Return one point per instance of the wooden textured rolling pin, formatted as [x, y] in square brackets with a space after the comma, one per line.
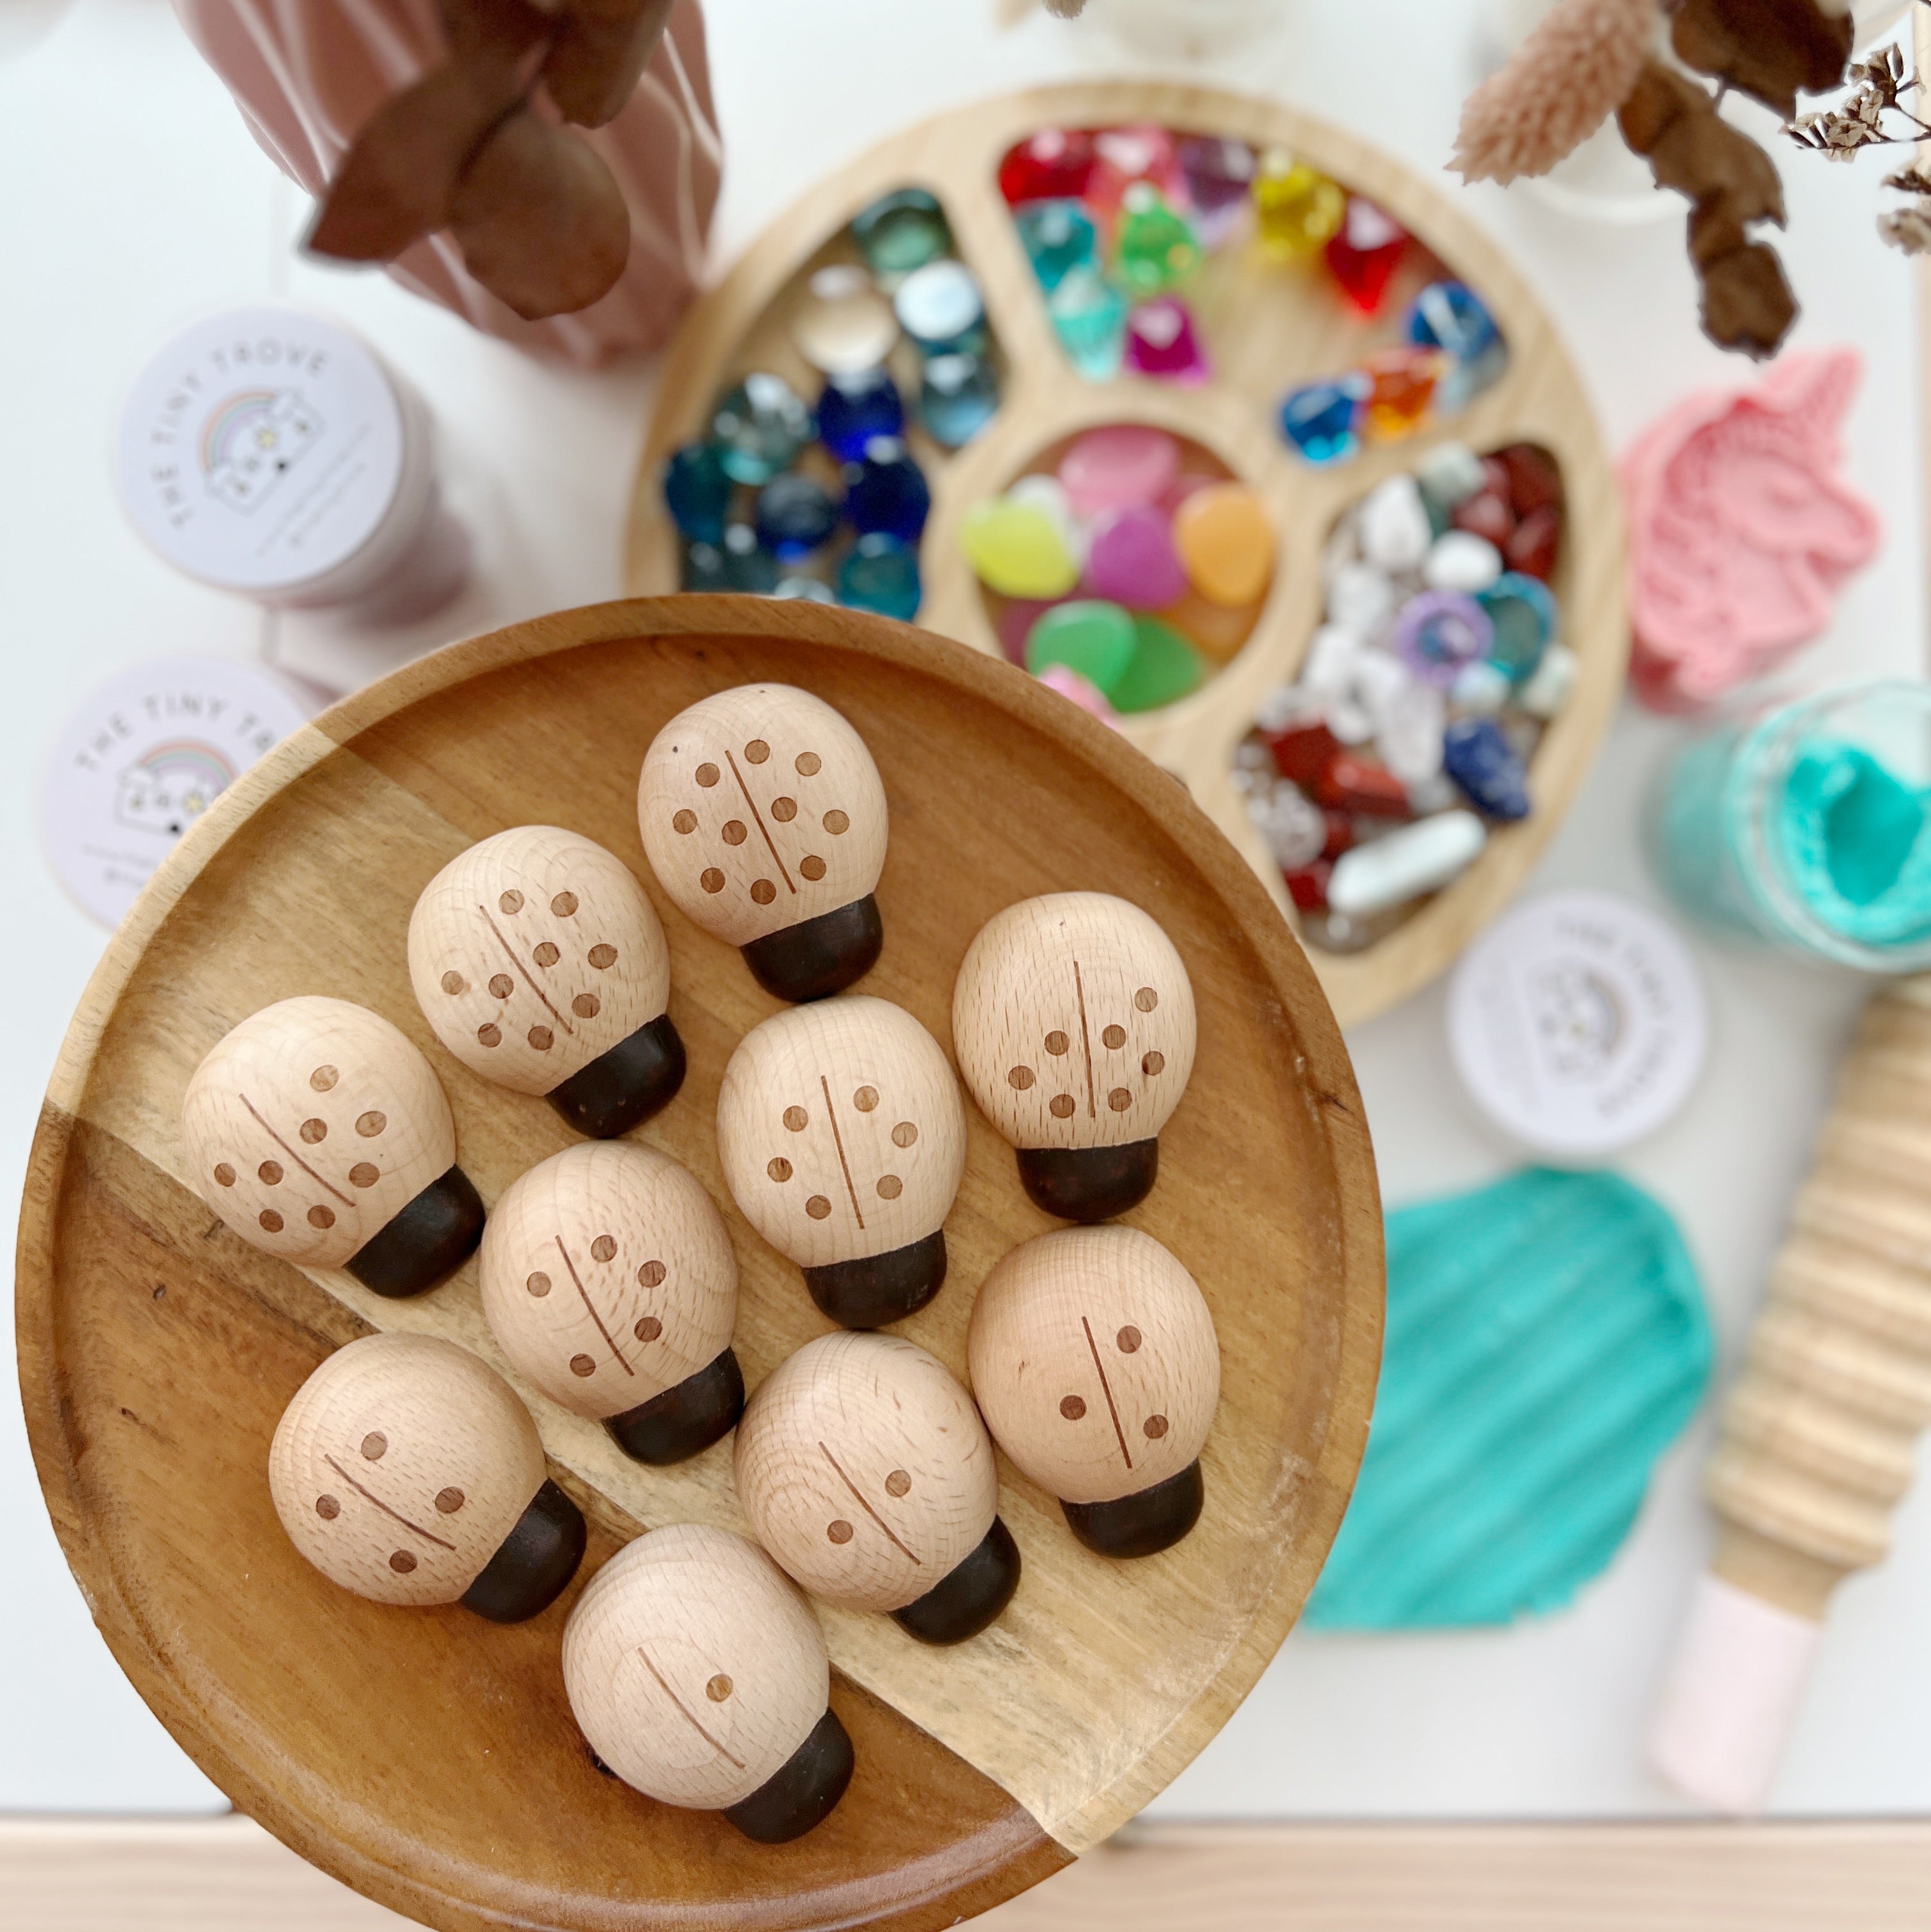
[1819, 1435]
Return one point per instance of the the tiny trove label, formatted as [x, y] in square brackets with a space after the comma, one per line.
[142, 760]
[1578, 1024]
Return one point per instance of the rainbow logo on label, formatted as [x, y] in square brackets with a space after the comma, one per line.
[167, 789]
[250, 441]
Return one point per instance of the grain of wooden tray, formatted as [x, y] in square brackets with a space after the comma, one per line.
[1265, 333]
[429, 1759]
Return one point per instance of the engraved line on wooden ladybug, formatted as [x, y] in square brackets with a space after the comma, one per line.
[867, 1472]
[1073, 1018]
[609, 1279]
[764, 818]
[407, 1470]
[1095, 1363]
[842, 1138]
[320, 1135]
[699, 1676]
[539, 961]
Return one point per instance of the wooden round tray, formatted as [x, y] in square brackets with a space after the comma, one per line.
[1265, 340]
[429, 1759]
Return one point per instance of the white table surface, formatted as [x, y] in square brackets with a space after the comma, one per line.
[135, 199]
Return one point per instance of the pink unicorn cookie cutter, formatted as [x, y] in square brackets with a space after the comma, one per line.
[1741, 532]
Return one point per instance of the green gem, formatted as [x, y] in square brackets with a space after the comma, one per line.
[1164, 668]
[1094, 638]
[901, 231]
[1157, 249]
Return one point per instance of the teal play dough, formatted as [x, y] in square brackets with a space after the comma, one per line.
[1853, 839]
[1546, 1340]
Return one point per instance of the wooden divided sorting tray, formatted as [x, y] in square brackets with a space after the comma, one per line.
[428, 1758]
[1268, 329]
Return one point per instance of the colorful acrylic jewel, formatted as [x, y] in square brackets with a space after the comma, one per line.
[1219, 175]
[959, 395]
[1486, 768]
[1452, 317]
[1161, 341]
[1439, 631]
[881, 573]
[796, 515]
[1156, 249]
[1322, 421]
[697, 492]
[901, 231]
[852, 409]
[1125, 156]
[1058, 236]
[885, 491]
[1055, 164]
[1364, 253]
[1296, 210]
[759, 428]
[940, 307]
[1088, 315]
[1401, 384]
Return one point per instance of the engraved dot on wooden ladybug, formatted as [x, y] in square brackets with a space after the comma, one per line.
[836, 823]
[784, 810]
[323, 1079]
[511, 902]
[271, 1222]
[564, 904]
[1113, 1038]
[684, 822]
[807, 764]
[735, 832]
[224, 1174]
[453, 983]
[321, 1217]
[269, 1173]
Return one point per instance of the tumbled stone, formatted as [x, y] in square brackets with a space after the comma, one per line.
[1486, 768]
[1393, 526]
[1132, 561]
[1225, 542]
[1017, 549]
[1420, 858]
[1122, 466]
[1460, 560]
[1090, 636]
[1164, 669]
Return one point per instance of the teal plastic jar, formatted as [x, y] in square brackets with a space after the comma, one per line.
[1808, 827]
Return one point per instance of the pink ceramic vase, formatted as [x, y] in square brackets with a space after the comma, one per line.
[306, 74]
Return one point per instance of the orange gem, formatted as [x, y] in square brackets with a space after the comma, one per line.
[1401, 386]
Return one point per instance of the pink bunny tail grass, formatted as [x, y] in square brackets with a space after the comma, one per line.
[1565, 80]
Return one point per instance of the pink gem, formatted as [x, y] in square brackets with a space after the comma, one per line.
[1120, 467]
[1125, 155]
[1133, 561]
[1088, 696]
[1161, 341]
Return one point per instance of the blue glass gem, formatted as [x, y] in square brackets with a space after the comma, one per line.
[804, 590]
[1524, 614]
[1466, 380]
[796, 515]
[697, 492]
[940, 307]
[748, 565]
[1450, 315]
[881, 573]
[759, 428]
[1322, 421]
[958, 398]
[852, 409]
[1478, 756]
[703, 569]
[1089, 315]
[1058, 236]
[887, 491]
[901, 231]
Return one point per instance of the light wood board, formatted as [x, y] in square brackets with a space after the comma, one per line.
[1267, 332]
[427, 1758]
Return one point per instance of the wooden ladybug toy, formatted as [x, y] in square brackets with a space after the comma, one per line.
[866, 1473]
[609, 1281]
[319, 1133]
[541, 965]
[765, 819]
[1072, 1018]
[408, 1471]
[700, 1677]
[1094, 1362]
[843, 1140]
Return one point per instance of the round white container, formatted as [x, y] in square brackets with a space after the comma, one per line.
[271, 452]
[1578, 1024]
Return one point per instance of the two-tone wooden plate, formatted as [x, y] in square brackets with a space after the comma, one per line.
[1267, 330]
[429, 1759]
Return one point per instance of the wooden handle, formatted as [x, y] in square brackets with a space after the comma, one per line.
[1072, 1018]
[865, 1470]
[760, 808]
[401, 1465]
[608, 1276]
[1819, 1431]
[534, 953]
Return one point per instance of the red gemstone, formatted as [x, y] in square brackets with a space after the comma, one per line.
[1365, 253]
[1532, 549]
[1533, 482]
[1340, 834]
[1308, 887]
[1351, 784]
[1054, 165]
[1305, 752]
[1486, 515]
